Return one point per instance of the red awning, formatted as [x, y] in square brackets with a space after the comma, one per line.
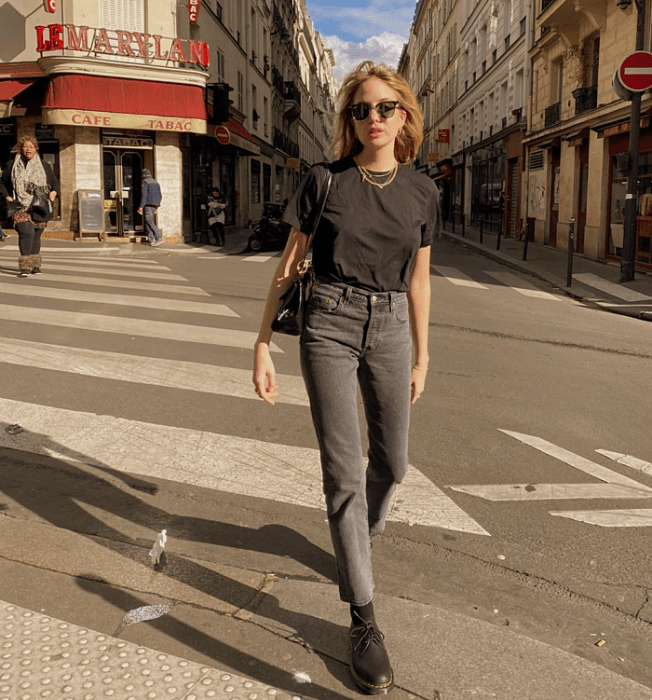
[87, 100]
[10, 88]
[238, 129]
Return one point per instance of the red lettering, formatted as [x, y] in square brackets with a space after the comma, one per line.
[41, 44]
[102, 43]
[77, 41]
[56, 39]
[124, 39]
[177, 53]
[157, 48]
[76, 119]
[141, 40]
[198, 53]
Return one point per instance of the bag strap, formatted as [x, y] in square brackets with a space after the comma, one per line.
[325, 189]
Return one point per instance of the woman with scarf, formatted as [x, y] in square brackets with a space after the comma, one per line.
[21, 179]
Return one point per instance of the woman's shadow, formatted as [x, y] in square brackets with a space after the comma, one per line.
[70, 494]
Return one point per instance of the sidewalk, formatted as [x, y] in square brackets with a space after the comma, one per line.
[593, 282]
[274, 647]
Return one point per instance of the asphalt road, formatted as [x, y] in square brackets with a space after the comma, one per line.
[523, 390]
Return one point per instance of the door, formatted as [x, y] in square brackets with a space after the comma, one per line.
[554, 202]
[583, 192]
[122, 191]
[511, 199]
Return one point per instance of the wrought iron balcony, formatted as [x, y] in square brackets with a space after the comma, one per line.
[553, 114]
[585, 99]
[292, 95]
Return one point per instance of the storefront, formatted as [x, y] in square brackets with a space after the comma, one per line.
[618, 135]
[101, 110]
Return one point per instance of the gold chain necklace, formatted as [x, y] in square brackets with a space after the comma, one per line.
[376, 179]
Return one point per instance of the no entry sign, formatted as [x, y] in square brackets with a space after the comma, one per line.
[635, 72]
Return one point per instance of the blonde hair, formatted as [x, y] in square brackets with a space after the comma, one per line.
[345, 143]
[18, 148]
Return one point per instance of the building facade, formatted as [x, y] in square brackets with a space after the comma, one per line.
[579, 126]
[205, 93]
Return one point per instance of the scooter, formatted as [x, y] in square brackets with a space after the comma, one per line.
[270, 233]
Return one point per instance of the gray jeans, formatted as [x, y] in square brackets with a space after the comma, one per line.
[355, 337]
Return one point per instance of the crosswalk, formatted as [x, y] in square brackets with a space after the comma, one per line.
[105, 305]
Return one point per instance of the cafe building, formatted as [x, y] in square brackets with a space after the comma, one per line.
[107, 89]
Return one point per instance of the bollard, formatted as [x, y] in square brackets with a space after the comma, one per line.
[571, 250]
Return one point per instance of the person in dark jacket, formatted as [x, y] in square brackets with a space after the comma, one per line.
[21, 178]
[150, 201]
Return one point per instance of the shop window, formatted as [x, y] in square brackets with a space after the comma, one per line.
[255, 181]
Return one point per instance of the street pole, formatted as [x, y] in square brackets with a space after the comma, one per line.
[627, 264]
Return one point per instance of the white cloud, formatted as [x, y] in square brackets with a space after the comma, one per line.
[378, 18]
[383, 48]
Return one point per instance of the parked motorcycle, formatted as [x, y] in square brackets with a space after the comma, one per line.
[270, 233]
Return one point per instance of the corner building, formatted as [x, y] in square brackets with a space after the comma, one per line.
[107, 87]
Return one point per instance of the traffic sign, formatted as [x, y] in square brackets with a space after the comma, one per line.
[635, 72]
[223, 135]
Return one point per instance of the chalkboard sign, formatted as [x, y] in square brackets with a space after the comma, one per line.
[91, 212]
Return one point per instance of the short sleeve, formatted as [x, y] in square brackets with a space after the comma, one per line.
[431, 225]
[300, 207]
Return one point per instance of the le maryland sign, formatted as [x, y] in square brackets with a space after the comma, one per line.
[119, 42]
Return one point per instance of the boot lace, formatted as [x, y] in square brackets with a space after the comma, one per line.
[366, 633]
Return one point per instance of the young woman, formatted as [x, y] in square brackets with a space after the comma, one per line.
[371, 256]
[20, 178]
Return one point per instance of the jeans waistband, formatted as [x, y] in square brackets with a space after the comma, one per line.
[354, 293]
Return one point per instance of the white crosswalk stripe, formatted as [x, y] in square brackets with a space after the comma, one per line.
[230, 463]
[456, 277]
[506, 279]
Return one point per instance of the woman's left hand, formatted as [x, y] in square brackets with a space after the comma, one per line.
[53, 195]
[418, 383]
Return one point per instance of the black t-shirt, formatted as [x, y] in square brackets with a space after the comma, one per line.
[367, 237]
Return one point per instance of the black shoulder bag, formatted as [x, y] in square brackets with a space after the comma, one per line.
[292, 309]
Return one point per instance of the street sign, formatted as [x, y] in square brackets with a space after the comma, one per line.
[223, 135]
[635, 72]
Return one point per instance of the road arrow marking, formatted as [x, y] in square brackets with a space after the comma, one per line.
[628, 461]
[615, 486]
[638, 517]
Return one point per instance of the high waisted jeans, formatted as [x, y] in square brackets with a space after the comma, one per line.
[355, 337]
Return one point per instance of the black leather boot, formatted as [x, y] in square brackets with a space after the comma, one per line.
[369, 661]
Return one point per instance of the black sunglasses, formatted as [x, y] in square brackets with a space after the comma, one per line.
[385, 110]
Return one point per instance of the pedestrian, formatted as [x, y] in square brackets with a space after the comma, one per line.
[216, 215]
[24, 176]
[150, 201]
[371, 258]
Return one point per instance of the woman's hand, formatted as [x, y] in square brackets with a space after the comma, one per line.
[418, 383]
[53, 195]
[264, 374]
[9, 199]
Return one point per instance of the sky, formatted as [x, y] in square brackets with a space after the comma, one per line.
[359, 30]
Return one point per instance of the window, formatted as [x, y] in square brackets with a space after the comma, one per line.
[255, 181]
[220, 66]
[123, 14]
[240, 92]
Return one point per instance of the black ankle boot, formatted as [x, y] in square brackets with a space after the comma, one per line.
[369, 661]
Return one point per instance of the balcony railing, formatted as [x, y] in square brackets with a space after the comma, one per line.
[585, 99]
[553, 114]
[284, 143]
